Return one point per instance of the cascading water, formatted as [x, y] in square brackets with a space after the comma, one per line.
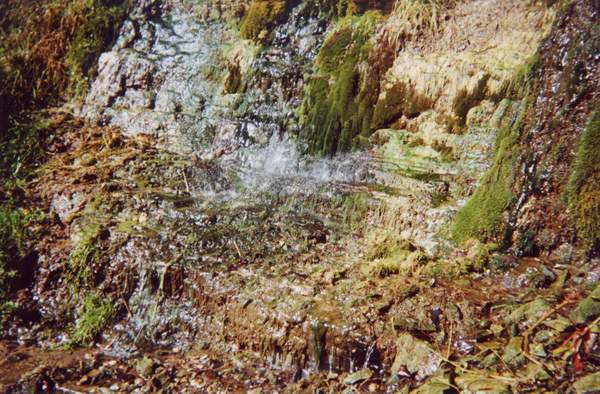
[168, 75]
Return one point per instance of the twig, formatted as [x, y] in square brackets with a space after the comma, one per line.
[238, 250]
[539, 321]
[187, 186]
[449, 341]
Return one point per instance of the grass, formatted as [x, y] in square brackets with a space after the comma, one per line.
[21, 148]
[85, 253]
[583, 189]
[94, 315]
[16, 230]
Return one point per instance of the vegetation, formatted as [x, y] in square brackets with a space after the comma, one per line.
[97, 31]
[95, 314]
[584, 184]
[43, 59]
[48, 56]
[337, 110]
[16, 228]
[261, 16]
[84, 254]
[481, 217]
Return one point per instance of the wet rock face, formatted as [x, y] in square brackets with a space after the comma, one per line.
[564, 98]
[187, 77]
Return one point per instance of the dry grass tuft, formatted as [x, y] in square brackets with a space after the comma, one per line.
[412, 18]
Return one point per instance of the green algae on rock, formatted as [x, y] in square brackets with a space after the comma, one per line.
[584, 184]
[261, 16]
[481, 217]
[336, 113]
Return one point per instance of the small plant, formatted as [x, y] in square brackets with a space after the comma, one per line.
[93, 317]
[85, 253]
[385, 268]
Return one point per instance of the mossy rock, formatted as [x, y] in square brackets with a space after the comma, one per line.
[261, 16]
[338, 104]
[98, 31]
[584, 183]
[528, 313]
[417, 356]
[481, 217]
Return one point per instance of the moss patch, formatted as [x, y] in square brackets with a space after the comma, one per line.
[95, 314]
[337, 109]
[481, 217]
[262, 15]
[97, 31]
[584, 184]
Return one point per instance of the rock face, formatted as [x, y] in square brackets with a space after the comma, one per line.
[550, 196]
[415, 357]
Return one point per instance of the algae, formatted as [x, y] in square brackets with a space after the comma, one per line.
[481, 217]
[583, 189]
[337, 108]
[93, 318]
[261, 16]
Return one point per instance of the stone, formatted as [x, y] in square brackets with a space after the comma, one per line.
[358, 376]
[513, 353]
[528, 313]
[588, 384]
[417, 356]
[438, 384]
[470, 383]
[588, 308]
[145, 367]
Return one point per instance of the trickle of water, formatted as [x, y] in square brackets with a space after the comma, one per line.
[369, 354]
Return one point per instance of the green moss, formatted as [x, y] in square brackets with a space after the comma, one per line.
[95, 314]
[389, 246]
[97, 32]
[583, 190]
[262, 15]
[338, 106]
[516, 86]
[481, 217]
